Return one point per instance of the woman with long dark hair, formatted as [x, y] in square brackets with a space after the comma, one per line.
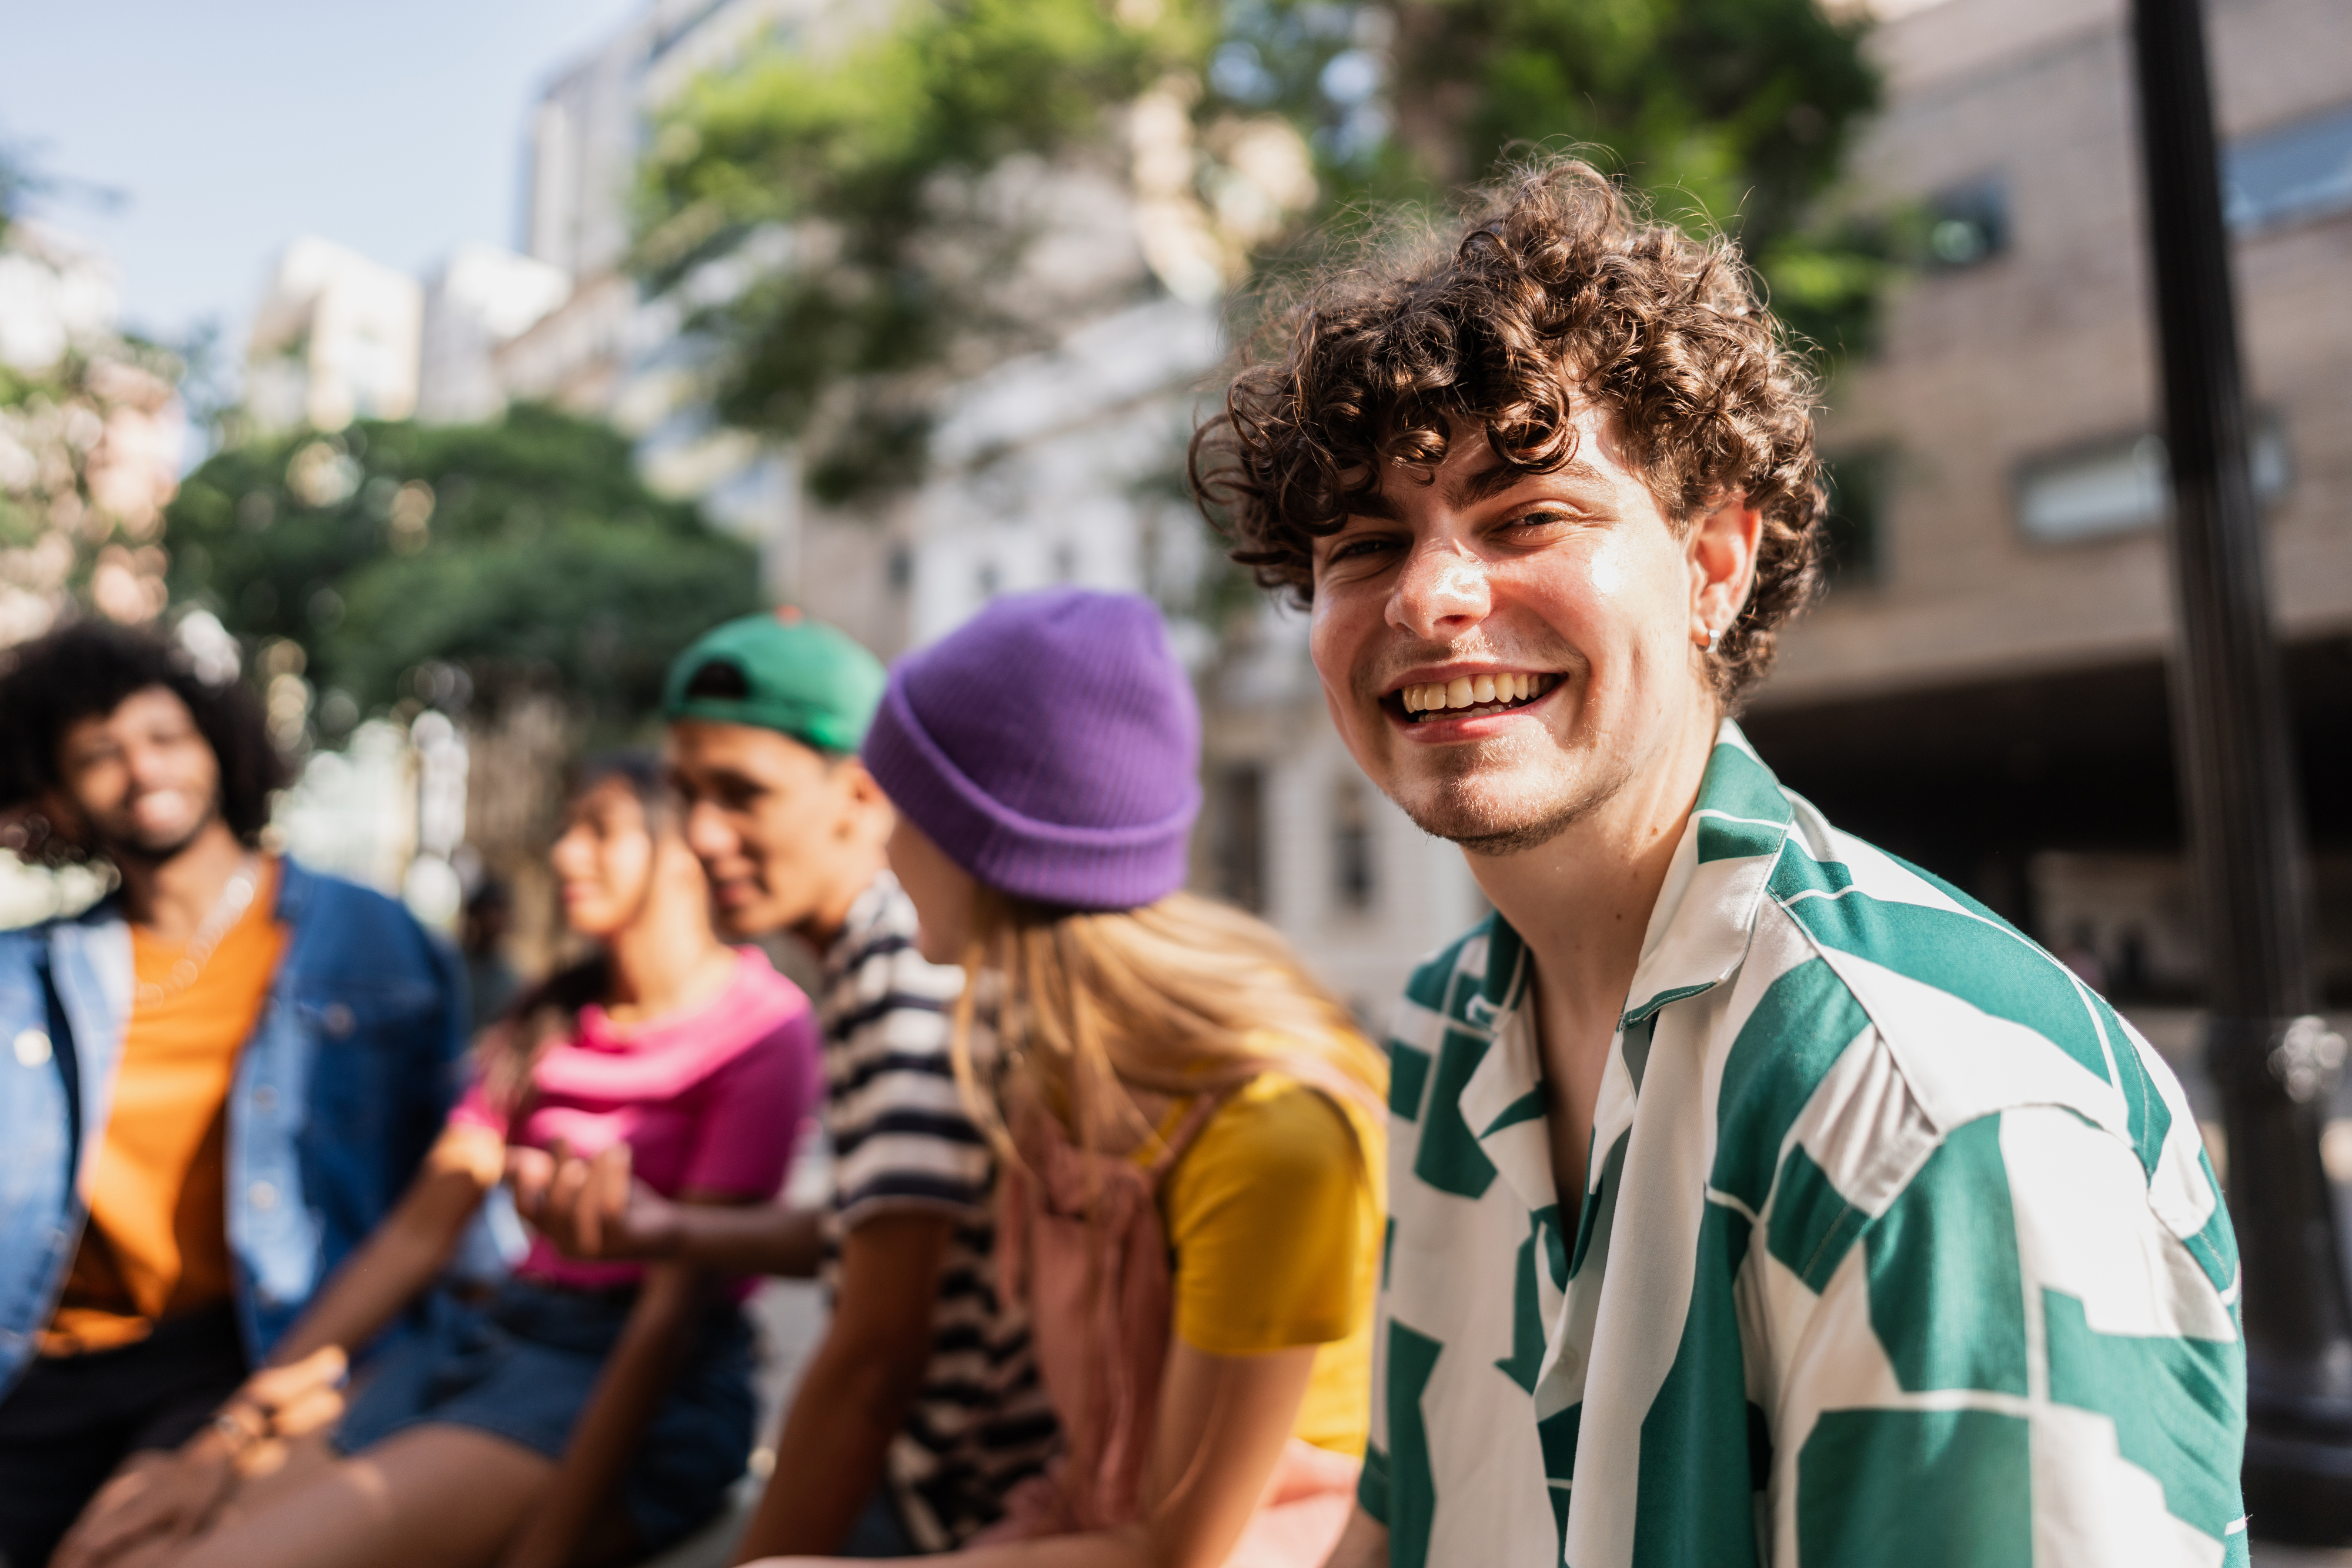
[586, 1412]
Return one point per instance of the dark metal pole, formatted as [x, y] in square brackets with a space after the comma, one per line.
[2271, 1059]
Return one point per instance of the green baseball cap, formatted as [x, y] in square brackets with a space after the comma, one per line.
[789, 674]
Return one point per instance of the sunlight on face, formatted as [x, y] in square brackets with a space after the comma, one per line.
[603, 860]
[1501, 653]
[142, 777]
[769, 819]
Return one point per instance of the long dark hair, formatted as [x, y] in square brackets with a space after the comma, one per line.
[508, 1049]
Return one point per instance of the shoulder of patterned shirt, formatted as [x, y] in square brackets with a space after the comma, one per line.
[1877, 1011]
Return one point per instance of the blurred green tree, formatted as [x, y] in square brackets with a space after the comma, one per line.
[1731, 114]
[849, 225]
[525, 552]
[91, 426]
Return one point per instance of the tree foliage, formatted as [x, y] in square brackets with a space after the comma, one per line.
[89, 432]
[873, 159]
[848, 223]
[526, 552]
[1731, 114]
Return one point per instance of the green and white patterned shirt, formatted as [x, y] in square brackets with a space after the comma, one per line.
[1897, 1245]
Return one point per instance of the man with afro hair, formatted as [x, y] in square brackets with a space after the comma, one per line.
[217, 1082]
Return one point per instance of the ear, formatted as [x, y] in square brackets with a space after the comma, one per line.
[1721, 552]
[865, 812]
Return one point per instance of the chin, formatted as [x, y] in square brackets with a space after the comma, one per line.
[1499, 808]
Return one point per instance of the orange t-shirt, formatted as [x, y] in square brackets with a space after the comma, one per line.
[157, 1241]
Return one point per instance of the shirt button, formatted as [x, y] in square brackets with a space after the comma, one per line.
[338, 1020]
[262, 1196]
[265, 1100]
[32, 1047]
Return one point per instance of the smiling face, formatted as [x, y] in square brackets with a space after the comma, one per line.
[606, 859]
[141, 780]
[787, 836]
[1504, 652]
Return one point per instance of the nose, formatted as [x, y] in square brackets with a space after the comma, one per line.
[1442, 592]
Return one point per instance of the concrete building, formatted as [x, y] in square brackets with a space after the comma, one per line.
[335, 339]
[605, 350]
[1984, 690]
[479, 300]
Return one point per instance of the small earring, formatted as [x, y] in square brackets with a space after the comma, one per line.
[1714, 635]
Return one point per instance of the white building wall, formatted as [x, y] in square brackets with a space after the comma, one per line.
[336, 339]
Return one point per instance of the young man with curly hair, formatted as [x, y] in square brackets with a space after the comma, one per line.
[217, 1081]
[1755, 1197]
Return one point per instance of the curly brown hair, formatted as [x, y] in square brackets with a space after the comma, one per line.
[1552, 285]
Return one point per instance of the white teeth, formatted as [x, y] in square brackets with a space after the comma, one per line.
[1472, 691]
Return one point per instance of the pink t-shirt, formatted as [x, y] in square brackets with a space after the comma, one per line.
[709, 1100]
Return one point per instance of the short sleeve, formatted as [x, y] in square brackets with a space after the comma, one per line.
[753, 1106]
[1270, 1215]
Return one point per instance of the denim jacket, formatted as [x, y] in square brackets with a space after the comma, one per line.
[338, 1093]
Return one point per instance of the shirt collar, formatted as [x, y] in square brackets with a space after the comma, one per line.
[1706, 913]
[1698, 936]
[869, 916]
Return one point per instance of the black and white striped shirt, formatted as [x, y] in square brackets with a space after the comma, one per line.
[902, 1140]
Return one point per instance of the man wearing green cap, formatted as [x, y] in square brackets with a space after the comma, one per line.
[922, 1407]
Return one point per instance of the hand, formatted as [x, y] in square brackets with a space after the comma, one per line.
[164, 1498]
[591, 1208]
[301, 1397]
[155, 1500]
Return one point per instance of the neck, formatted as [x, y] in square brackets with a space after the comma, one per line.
[665, 961]
[827, 920]
[1581, 902]
[169, 899]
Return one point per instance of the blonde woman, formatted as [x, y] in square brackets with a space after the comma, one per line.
[1192, 1199]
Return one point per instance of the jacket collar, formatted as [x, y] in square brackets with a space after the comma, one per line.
[1698, 936]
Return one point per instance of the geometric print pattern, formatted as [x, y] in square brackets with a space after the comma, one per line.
[1897, 1245]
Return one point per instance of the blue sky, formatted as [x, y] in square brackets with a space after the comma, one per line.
[228, 127]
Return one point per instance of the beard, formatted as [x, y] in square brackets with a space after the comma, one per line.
[1485, 805]
[153, 849]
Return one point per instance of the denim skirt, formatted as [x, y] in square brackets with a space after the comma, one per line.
[521, 1365]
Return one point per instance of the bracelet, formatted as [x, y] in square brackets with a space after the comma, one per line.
[240, 1435]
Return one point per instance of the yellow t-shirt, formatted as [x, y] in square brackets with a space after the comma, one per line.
[1273, 1215]
[157, 1242]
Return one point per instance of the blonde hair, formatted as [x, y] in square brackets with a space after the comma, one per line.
[1180, 997]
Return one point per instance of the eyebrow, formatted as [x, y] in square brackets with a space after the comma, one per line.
[1482, 486]
[1487, 482]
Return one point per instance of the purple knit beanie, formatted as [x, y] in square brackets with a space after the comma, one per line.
[1051, 746]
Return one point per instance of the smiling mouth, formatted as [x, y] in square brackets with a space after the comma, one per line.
[1471, 696]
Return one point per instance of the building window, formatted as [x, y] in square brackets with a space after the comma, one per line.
[1354, 877]
[2292, 174]
[1239, 841]
[2122, 486]
[1968, 223]
[1856, 483]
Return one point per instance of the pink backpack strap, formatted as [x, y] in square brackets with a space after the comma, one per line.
[1195, 1121]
